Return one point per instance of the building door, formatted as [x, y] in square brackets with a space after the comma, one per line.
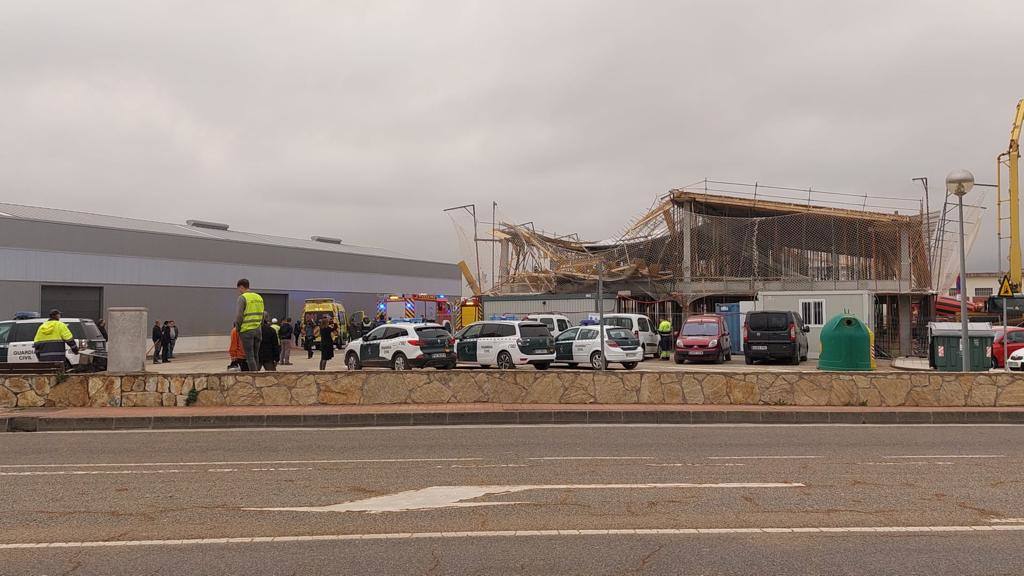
[72, 301]
[276, 305]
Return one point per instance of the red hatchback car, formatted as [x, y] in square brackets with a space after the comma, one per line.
[1013, 340]
[704, 338]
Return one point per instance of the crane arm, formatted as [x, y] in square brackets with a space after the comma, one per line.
[1012, 159]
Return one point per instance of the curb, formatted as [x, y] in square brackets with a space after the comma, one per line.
[43, 423]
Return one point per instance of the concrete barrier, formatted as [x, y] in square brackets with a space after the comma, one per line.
[874, 389]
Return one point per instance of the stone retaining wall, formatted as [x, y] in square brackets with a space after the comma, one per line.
[517, 387]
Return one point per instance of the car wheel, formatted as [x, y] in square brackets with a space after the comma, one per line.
[597, 361]
[446, 366]
[629, 365]
[748, 359]
[728, 356]
[352, 361]
[795, 360]
[680, 359]
[542, 365]
[505, 361]
[399, 362]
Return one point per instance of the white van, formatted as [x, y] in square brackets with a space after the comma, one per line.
[642, 328]
[556, 323]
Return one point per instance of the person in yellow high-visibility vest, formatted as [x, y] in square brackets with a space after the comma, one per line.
[665, 340]
[51, 338]
[249, 320]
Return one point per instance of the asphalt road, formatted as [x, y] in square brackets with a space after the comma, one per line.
[796, 500]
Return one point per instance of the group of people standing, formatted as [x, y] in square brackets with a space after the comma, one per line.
[164, 338]
[258, 342]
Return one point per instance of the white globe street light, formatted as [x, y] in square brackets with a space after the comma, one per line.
[959, 183]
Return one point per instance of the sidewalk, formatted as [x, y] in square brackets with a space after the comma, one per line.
[65, 419]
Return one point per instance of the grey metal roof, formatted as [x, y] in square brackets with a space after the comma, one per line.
[23, 212]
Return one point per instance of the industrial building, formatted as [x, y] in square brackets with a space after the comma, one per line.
[84, 263]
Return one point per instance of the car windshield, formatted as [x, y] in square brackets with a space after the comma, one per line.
[550, 323]
[700, 329]
[92, 332]
[24, 331]
[620, 322]
[769, 322]
[619, 334]
[432, 333]
[534, 331]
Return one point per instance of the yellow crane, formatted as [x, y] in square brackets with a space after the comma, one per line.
[1010, 159]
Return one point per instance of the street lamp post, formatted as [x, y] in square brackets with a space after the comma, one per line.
[959, 183]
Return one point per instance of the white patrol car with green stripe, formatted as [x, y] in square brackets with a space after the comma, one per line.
[401, 346]
[505, 344]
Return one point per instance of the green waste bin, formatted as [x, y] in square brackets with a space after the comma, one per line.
[847, 345]
[944, 346]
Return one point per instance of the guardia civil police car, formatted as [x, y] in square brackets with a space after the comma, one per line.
[582, 345]
[16, 343]
[505, 344]
[401, 346]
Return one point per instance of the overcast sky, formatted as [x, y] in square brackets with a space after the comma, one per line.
[334, 117]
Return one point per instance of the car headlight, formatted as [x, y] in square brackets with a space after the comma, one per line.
[713, 343]
[1019, 354]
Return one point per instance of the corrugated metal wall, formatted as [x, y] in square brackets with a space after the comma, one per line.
[576, 309]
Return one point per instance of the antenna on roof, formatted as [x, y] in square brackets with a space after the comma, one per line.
[325, 239]
[205, 224]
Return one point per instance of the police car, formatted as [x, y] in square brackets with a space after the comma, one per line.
[401, 346]
[505, 344]
[17, 336]
[582, 345]
[641, 327]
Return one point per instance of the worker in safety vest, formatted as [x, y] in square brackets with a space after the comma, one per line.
[51, 337]
[248, 320]
[665, 331]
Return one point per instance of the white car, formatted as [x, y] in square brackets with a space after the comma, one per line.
[17, 336]
[1016, 360]
[641, 327]
[556, 323]
[582, 345]
[505, 344]
[401, 346]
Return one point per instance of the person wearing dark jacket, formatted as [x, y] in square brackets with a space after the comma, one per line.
[165, 342]
[310, 335]
[157, 336]
[286, 341]
[174, 337]
[327, 331]
[270, 348]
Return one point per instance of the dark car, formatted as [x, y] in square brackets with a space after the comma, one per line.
[775, 335]
[704, 338]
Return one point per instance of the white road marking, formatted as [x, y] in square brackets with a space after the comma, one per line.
[676, 465]
[435, 497]
[947, 456]
[860, 530]
[1007, 520]
[89, 472]
[593, 458]
[240, 463]
[763, 457]
[488, 466]
[904, 463]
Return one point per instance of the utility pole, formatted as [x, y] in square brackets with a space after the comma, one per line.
[600, 312]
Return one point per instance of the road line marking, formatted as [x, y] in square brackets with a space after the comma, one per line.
[434, 497]
[1007, 520]
[593, 458]
[856, 530]
[948, 456]
[692, 464]
[89, 472]
[253, 462]
[904, 463]
[488, 466]
[763, 457]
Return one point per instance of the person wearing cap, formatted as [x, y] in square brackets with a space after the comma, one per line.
[51, 338]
